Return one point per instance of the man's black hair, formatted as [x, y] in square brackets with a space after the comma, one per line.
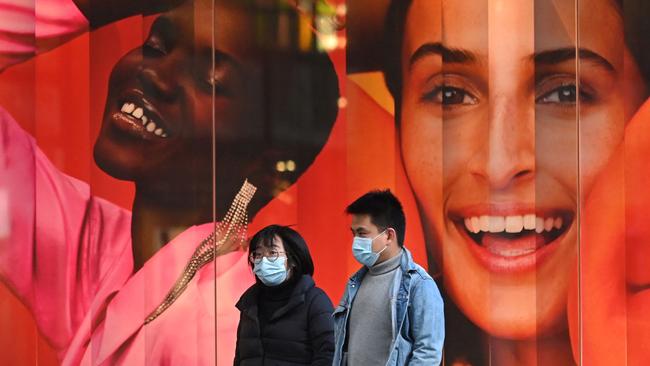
[298, 256]
[384, 209]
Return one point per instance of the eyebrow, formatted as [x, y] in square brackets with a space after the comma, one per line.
[165, 26]
[461, 56]
[561, 55]
[449, 55]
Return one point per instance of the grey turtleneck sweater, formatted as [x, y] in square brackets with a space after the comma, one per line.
[370, 325]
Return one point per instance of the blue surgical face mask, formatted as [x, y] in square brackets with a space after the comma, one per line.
[271, 273]
[362, 250]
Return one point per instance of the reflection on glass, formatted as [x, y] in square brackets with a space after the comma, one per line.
[213, 96]
[498, 160]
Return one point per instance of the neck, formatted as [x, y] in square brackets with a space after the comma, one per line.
[154, 224]
[548, 351]
[282, 289]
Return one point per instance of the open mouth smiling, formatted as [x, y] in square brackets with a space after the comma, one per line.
[132, 109]
[136, 117]
[513, 242]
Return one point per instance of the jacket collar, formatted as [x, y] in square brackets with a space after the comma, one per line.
[248, 302]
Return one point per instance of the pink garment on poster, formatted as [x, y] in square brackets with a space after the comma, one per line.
[68, 257]
[30, 27]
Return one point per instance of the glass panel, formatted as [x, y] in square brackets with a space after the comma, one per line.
[613, 249]
[511, 131]
[557, 192]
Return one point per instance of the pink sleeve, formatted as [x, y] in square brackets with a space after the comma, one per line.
[30, 27]
[50, 236]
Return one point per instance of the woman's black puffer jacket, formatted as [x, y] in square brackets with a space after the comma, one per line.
[290, 324]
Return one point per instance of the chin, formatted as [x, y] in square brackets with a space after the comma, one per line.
[528, 327]
[520, 308]
[515, 316]
[115, 163]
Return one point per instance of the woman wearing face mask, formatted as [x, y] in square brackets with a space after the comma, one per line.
[285, 319]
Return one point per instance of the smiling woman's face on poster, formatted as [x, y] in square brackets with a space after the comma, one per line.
[490, 145]
[503, 134]
[206, 102]
[202, 77]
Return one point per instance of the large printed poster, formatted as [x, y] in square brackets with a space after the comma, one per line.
[513, 132]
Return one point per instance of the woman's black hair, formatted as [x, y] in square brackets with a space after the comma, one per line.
[294, 95]
[635, 14]
[394, 26]
[299, 258]
[296, 110]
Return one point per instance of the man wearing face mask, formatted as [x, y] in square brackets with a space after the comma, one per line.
[391, 312]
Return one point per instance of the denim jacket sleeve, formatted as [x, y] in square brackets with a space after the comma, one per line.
[428, 323]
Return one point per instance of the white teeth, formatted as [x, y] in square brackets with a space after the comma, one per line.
[485, 223]
[128, 107]
[508, 224]
[514, 224]
[468, 225]
[539, 225]
[138, 112]
[548, 224]
[497, 224]
[476, 225]
[529, 222]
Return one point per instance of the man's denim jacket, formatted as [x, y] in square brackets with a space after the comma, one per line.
[416, 310]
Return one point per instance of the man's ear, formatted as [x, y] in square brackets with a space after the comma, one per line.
[392, 235]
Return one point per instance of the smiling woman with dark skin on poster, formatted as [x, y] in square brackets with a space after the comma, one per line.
[68, 253]
[158, 123]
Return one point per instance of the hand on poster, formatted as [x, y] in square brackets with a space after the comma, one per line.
[613, 288]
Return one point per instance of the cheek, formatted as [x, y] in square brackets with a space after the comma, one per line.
[125, 69]
[601, 133]
[234, 119]
[199, 112]
[377, 245]
[421, 143]
[567, 154]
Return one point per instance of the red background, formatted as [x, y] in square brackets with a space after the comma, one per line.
[59, 97]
